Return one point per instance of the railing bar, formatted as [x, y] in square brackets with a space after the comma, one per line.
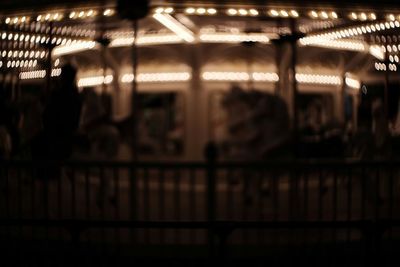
[349, 200]
[192, 201]
[116, 202]
[102, 203]
[377, 196]
[334, 202]
[320, 206]
[146, 202]
[177, 201]
[363, 192]
[35, 173]
[87, 200]
[261, 208]
[229, 198]
[73, 193]
[161, 201]
[19, 208]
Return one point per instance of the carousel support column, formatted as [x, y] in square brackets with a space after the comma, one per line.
[283, 66]
[386, 90]
[293, 45]
[135, 102]
[50, 48]
[196, 107]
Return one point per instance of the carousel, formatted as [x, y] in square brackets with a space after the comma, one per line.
[172, 76]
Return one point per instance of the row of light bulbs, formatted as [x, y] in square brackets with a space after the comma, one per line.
[350, 32]
[391, 48]
[207, 76]
[394, 58]
[90, 13]
[385, 39]
[38, 27]
[19, 64]
[23, 54]
[57, 16]
[38, 74]
[42, 39]
[283, 13]
[382, 66]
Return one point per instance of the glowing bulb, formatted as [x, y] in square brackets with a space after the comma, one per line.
[212, 11]
[201, 11]
[190, 10]
[294, 13]
[314, 14]
[232, 12]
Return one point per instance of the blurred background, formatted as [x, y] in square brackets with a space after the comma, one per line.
[240, 132]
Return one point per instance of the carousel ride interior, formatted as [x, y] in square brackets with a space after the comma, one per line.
[158, 86]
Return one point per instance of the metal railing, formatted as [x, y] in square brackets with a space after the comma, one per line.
[223, 210]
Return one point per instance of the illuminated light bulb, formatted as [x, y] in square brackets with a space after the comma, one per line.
[72, 15]
[47, 17]
[34, 63]
[294, 13]
[169, 10]
[16, 37]
[324, 15]
[243, 12]
[8, 20]
[274, 13]
[314, 14]
[26, 54]
[391, 24]
[3, 35]
[363, 29]
[108, 12]
[397, 24]
[396, 59]
[4, 53]
[90, 13]
[57, 62]
[353, 15]
[190, 10]
[372, 16]
[15, 21]
[389, 48]
[17, 64]
[391, 17]
[1, 64]
[12, 64]
[253, 12]
[334, 15]
[21, 54]
[201, 11]
[8, 64]
[373, 29]
[211, 11]
[391, 58]
[42, 54]
[232, 12]
[15, 54]
[363, 16]
[284, 13]
[23, 19]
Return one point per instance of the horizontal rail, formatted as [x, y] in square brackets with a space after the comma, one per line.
[85, 224]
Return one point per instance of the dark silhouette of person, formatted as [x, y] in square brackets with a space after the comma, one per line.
[61, 116]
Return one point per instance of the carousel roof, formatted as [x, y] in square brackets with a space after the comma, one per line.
[358, 37]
